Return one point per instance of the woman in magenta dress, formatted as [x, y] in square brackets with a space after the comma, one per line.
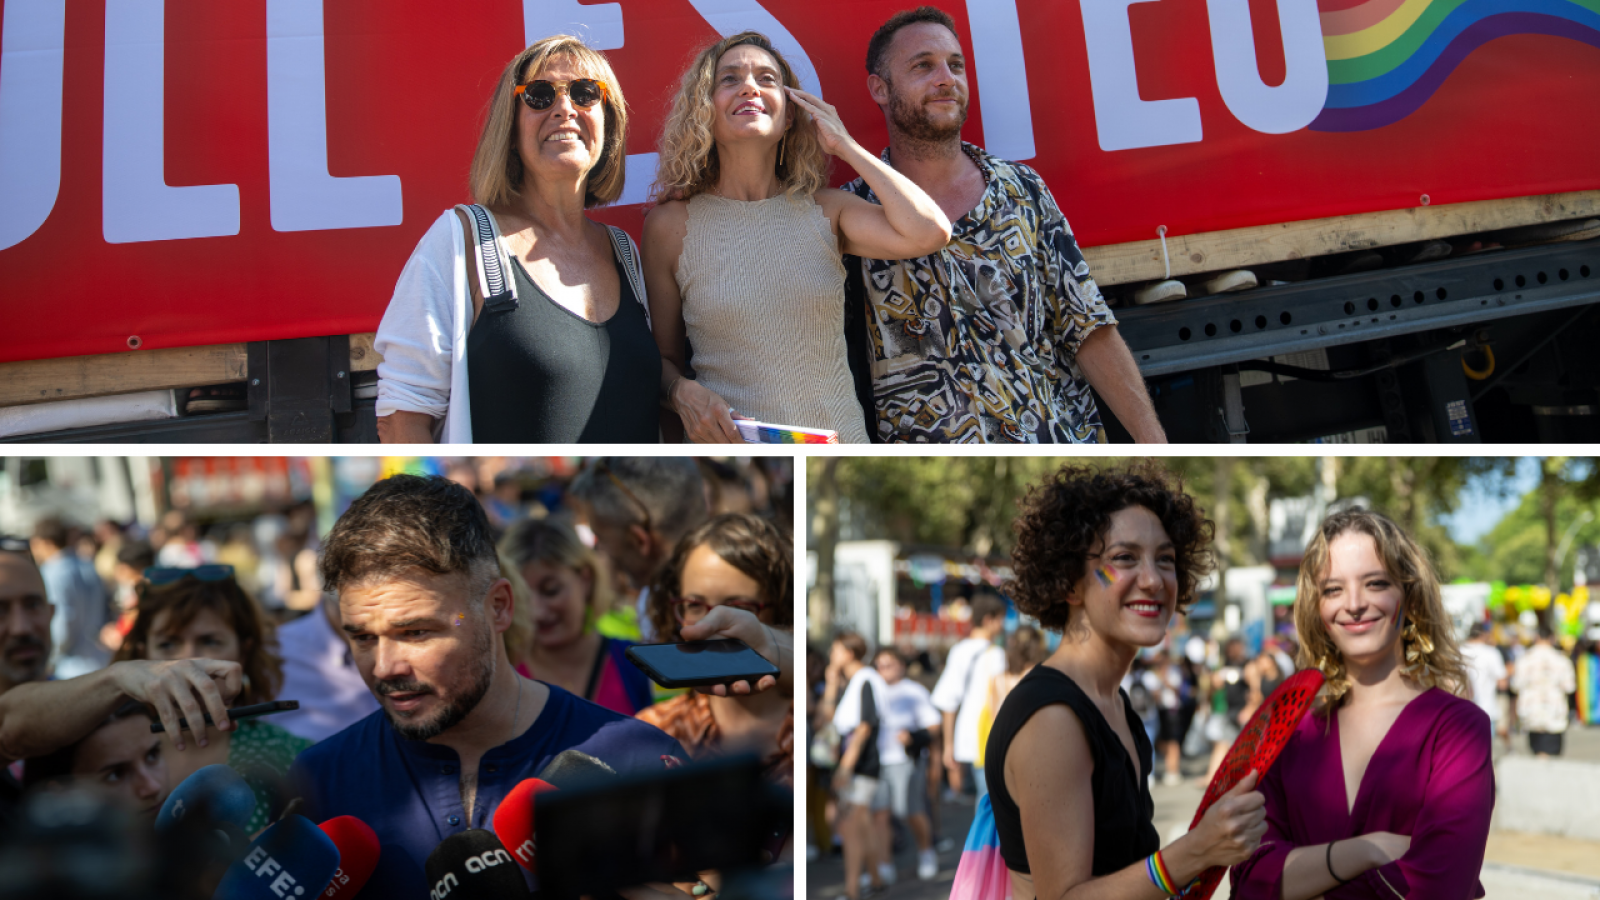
[1386, 788]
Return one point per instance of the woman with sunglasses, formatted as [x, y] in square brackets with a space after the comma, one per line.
[733, 576]
[538, 333]
[561, 590]
[203, 613]
[743, 254]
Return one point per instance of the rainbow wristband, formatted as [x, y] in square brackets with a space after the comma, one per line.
[1159, 876]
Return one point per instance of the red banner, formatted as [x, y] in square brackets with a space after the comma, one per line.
[192, 171]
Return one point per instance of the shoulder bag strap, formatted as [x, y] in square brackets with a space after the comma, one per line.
[494, 288]
[630, 264]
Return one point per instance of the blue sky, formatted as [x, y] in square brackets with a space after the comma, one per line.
[1482, 507]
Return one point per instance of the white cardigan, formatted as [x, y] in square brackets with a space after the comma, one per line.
[422, 339]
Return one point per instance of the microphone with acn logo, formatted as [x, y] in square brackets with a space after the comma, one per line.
[513, 820]
[474, 865]
[358, 855]
[291, 860]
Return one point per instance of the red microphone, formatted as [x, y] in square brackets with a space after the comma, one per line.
[358, 854]
[513, 821]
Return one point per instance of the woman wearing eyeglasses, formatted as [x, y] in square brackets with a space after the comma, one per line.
[563, 590]
[537, 332]
[203, 613]
[743, 254]
[734, 577]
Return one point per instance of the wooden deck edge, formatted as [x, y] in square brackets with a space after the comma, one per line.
[76, 377]
[362, 357]
[1257, 245]
[70, 378]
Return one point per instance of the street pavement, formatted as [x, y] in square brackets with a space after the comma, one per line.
[1516, 865]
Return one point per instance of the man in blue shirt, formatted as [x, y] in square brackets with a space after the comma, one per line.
[79, 598]
[423, 604]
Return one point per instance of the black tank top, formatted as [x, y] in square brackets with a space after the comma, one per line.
[541, 374]
[1124, 831]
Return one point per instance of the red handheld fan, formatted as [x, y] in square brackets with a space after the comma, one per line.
[1256, 748]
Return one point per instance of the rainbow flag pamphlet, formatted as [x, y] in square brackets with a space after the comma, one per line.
[755, 432]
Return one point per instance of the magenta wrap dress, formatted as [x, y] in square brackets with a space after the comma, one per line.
[1430, 778]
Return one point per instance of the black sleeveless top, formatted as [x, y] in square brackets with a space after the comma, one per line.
[1124, 831]
[541, 374]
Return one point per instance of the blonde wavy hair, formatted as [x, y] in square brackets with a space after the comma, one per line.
[1431, 656]
[496, 175]
[688, 153]
[552, 542]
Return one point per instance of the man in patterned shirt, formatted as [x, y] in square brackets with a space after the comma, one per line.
[998, 337]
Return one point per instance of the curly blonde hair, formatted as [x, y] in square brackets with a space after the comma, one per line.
[688, 153]
[1431, 656]
[496, 175]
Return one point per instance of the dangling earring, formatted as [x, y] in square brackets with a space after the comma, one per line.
[1417, 644]
[781, 142]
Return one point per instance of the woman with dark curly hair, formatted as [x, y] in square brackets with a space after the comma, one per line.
[203, 613]
[744, 563]
[1106, 558]
[1390, 774]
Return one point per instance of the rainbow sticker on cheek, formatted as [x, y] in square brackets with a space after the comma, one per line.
[1107, 575]
[459, 619]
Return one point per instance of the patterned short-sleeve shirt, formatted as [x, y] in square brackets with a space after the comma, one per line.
[978, 343]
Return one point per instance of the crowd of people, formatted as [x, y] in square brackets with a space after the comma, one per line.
[1083, 687]
[938, 297]
[443, 663]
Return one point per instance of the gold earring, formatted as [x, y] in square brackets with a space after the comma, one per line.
[781, 142]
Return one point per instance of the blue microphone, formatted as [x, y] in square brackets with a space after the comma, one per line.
[292, 860]
[217, 792]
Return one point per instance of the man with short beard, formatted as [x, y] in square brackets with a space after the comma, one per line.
[998, 337]
[424, 607]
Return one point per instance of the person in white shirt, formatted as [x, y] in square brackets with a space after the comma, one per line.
[857, 713]
[910, 717]
[964, 685]
[1487, 670]
[319, 671]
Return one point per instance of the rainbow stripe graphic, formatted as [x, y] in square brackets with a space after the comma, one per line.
[1106, 575]
[1387, 57]
[982, 874]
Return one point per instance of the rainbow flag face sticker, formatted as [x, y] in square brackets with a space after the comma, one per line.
[1106, 575]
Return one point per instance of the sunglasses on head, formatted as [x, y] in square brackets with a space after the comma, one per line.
[159, 576]
[540, 94]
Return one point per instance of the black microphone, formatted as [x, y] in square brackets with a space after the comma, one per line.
[473, 865]
[572, 769]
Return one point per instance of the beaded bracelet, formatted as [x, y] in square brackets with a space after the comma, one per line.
[1156, 868]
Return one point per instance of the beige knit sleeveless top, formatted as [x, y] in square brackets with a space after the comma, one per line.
[763, 305]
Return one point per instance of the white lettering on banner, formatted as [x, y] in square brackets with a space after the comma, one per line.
[1270, 110]
[32, 57]
[137, 204]
[599, 26]
[305, 197]
[1122, 119]
[998, 61]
